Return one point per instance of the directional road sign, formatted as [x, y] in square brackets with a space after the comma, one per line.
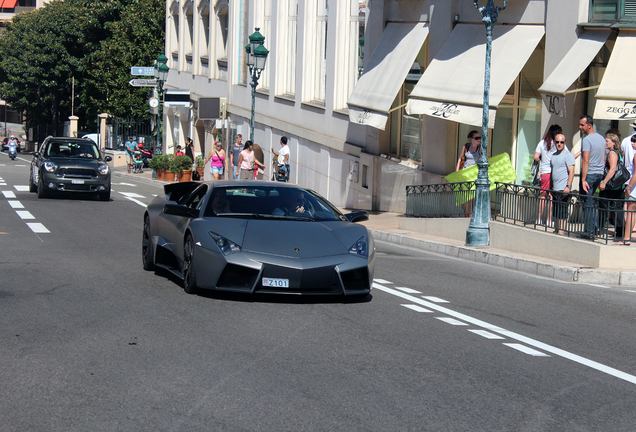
[142, 70]
[143, 82]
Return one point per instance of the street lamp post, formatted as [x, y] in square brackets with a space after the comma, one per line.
[161, 73]
[256, 59]
[478, 233]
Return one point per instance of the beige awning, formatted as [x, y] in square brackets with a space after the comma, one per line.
[385, 73]
[575, 61]
[616, 96]
[452, 86]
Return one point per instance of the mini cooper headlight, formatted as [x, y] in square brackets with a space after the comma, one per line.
[226, 246]
[102, 169]
[50, 166]
[360, 248]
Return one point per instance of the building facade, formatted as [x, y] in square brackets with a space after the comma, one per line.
[378, 94]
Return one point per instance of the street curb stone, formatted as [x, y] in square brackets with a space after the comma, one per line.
[552, 271]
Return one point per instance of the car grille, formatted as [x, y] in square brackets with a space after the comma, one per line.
[357, 279]
[78, 173]
[323, 280]
[235, 276]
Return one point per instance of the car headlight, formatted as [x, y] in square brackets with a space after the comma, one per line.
[102, 169]
[226, 246]
[50, 166]
[360, 248]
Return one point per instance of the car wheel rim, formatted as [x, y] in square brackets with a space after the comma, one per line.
[187, 262]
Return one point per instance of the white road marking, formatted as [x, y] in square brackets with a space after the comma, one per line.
[38, 228]
[382, 281]
[8, 194]
[24, 215]
[452, 321]
[512, 335]
[16, 204]
[154, 194]
[21, 188]
[137, 202]
[408, 290]
[597, 285]
[20, 165]
[417, 308]
[486, 334]
[435, 299]
[126, 184]
[526, 350]
[3, 184]
[131, 195]
[631, 291]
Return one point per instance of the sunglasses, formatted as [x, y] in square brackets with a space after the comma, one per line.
[477, 138]
[560, 142]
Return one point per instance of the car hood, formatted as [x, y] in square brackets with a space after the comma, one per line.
[300, 239]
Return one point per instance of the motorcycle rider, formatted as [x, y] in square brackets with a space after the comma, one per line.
[12, 146]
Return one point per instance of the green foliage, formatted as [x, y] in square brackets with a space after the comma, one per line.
[199, 161]
[180, 163]
[93, 41]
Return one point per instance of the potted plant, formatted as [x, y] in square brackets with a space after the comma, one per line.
[174, 167]
[185, 163]
[155, 165]
[200, 165]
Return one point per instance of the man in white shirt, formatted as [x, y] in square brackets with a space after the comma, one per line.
[628, 151]
[283, 156]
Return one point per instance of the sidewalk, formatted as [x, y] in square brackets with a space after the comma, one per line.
[389, 227]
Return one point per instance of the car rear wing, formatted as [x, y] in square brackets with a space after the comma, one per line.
[175, 191]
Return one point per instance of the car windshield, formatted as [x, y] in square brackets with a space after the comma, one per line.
[73, 149]
[270, 202]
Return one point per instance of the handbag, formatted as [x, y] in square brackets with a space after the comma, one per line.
[534, 172]
[620, 176]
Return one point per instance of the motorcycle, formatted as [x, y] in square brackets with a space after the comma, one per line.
[13, 150]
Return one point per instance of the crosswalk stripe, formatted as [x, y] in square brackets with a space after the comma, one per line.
[16, 204]
[25, 214]
[21, 188]
[38, 228]
[8, 194]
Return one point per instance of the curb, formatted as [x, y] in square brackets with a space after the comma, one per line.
[524, 265]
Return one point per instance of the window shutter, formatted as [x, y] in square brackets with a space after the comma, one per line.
[630, 9]
[605, 10]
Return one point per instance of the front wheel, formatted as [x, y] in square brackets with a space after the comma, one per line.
[189, 277]
[104, 196]
[146, 247]
[32, 186]
[42, 193]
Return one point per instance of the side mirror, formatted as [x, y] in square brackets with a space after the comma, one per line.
[108, 159]
[180, 210]
[357, 216]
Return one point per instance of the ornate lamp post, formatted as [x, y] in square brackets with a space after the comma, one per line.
[478, 233]
[161, 73]
[256, 59]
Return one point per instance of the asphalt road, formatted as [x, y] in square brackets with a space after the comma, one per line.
[91, 342]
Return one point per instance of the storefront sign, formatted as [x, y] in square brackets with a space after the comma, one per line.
[555, 104]
[615, 110]
[459, 113]
[369, 118]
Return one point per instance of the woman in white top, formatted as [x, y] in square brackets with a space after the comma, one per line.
[470, 152]
[543, 154]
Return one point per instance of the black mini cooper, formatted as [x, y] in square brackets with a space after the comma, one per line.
[69, 165]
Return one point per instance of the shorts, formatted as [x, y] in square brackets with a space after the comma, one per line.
[546, 180]
[216, 170]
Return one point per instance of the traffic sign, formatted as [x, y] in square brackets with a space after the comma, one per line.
[142, 70]
[143, 82]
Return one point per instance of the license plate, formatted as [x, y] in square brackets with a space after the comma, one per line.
[77, 181]
[276, 283]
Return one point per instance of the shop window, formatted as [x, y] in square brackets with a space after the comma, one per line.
[612, 10]
[406, 130]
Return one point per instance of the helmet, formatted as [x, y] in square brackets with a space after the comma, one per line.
[140, 145]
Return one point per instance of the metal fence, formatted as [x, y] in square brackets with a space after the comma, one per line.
[119, 130]
[595, 218]
[440, 200]
[571, 214]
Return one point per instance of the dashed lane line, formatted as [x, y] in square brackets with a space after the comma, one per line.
[382, 281]
[15, 204]
[452, 321]
[38, 228]
[408, 290]
[434, 299]
[526, 350]
[8, 194]
[512, 335]
[133, 197]
[25, 215]
[21, 188]
[486, 334]
[417, 308]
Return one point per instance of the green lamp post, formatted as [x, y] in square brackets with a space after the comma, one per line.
[478, 233]
[161, 73]
[256, 59]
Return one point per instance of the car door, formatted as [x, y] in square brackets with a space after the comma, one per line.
[36, 162]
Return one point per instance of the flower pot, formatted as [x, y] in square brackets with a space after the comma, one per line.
[186, 176]
[161, 174]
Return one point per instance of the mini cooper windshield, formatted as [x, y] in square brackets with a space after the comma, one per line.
[270, 203]
[62, 149]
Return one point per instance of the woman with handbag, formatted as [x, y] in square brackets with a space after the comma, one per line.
[470, 152]
[612, 186]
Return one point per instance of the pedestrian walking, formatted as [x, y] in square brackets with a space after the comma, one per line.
[471, 151]
[543, 154]
[217, 161]
[561, 178]
[282, 158]
[592, 168]
[189, 148]
[247, 161]
[611, 211]
[234, 156]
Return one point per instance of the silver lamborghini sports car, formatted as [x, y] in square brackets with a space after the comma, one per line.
[257, 237]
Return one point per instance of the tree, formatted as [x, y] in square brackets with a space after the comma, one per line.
[41, 51]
